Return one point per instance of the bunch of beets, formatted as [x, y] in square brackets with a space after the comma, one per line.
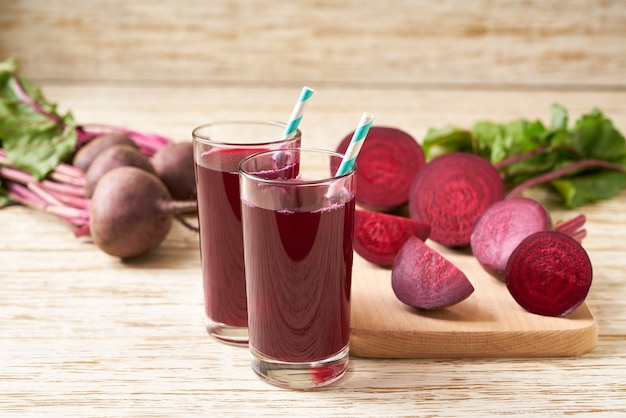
[121, 187]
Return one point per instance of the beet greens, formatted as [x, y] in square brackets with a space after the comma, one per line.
[582, 163]
[36, 138]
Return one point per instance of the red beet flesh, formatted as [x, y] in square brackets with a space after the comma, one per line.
[387, 164]
[378, 237]
[549, 274]
[502, 227]
[424, 279]
[451, 192]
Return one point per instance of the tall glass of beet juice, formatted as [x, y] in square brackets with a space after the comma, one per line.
[298, 224]
[218, 149]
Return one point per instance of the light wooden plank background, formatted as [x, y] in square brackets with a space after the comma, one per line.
[571, 43]
[82, 334]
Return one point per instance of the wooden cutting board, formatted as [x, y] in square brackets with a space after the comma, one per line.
[487, 324]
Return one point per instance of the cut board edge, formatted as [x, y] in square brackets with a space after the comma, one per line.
[521, 343]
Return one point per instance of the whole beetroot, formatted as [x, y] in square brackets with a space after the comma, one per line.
[174, 165]
[113, 157]
[92, 149]
[132, 212]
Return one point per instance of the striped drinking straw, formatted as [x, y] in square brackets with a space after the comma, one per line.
[358, 138]
[298, 110]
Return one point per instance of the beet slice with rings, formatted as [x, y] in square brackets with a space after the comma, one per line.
[424, 279]
[502, 227]
[386, 166]
[378, 237]
[451, 192]
[549, 273]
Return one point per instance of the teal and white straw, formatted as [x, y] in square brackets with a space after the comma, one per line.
[298, 111]
[358, 138]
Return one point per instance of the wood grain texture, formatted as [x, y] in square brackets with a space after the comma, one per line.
[489, 323]
[573, 43]
[82, 334]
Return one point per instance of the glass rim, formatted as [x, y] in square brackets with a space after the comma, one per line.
[330, 179]
[204, 139]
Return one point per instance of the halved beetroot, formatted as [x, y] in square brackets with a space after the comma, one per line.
[386, 166]
[549, 273]
[451, 192]
[378, 237]
[424, 279]
[502, 227]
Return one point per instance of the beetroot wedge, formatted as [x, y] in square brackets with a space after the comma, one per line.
[424, 279]
[451, 192]
[378, 237]
[387, 164]
[549, 274]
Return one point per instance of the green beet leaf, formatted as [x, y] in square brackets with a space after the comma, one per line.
[587, 188]
[499, 141]
[445, 140]
[592, 137]
[560, 117]
[4, 198]
[35, 137]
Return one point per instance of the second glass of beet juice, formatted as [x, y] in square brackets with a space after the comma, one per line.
[218, 149]
[298, 226]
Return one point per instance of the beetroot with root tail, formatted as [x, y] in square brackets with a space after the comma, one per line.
[111, 158]
[451, 192]
[424, 279]
[132, 212]
[174, 165]
[88, 152]
[502, 227]
[387, 164]
[549, 273]
[378, 237]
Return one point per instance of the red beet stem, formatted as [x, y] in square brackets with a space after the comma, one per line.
[175, 207]
[147, 142]
[66, 178]
[30, 198]
[573, 227]
[520, 157]
[61, 194]
[66, 189]
[553, 175]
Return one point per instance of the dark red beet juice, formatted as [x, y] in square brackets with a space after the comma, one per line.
[221, 242]
[300, 269]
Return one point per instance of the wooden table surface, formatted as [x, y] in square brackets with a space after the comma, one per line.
[84, 334]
